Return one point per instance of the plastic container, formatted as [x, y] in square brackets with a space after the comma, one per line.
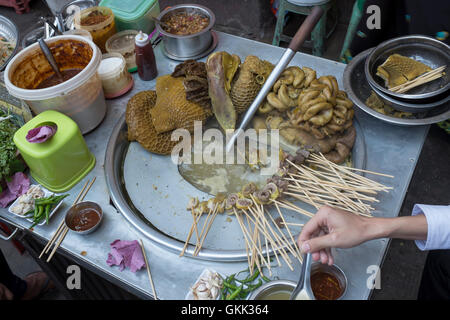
[100, 31]
[60, 162]
[133, 14]
[116, 79]
[80, 97]
[123, 43]
[79, 32]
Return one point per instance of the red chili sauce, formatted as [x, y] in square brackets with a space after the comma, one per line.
[85, 219]
[53, 80]
[325, 286]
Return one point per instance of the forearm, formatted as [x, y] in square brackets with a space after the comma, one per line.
[407, 228]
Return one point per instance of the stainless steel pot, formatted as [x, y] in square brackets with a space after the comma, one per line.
[189, 45]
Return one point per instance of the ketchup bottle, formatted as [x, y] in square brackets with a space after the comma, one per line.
[145, 58]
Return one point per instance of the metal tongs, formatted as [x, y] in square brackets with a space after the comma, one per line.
[303, 289]
[296, 42]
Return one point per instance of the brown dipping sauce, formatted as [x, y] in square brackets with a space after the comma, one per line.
[53, 80]
[325, 286]
[85, 219]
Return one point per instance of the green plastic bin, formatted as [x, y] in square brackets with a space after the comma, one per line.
[60, 162]
[133, 14]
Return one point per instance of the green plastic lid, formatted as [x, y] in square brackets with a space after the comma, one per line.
[128, 10]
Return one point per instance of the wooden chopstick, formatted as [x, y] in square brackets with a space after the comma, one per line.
[422, 79]
[148, 269]
[60, 227]
[62, 232]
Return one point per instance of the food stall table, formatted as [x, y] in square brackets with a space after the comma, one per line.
[390, 149]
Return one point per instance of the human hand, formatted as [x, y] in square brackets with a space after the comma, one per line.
[5, 294]
[332, 228]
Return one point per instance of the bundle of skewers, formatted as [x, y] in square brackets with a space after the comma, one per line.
[307, 177]
[424, 78]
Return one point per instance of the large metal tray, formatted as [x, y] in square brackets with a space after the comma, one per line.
[152, 195]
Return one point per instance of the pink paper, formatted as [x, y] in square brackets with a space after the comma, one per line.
[126, 254]
[18, 185]
[40, 134]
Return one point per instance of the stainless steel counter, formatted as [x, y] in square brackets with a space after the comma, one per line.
[390, 149]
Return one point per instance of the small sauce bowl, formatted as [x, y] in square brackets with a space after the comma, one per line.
[317, 268]
[84, 217]
[273, 290]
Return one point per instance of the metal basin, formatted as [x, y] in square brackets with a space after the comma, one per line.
[149, 192]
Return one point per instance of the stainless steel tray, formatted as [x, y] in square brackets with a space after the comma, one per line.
[9, 31]
[152, 195]
[358, 89]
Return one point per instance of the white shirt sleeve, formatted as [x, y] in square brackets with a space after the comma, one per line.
[438, 220]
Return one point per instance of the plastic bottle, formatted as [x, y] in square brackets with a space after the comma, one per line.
[145, 58]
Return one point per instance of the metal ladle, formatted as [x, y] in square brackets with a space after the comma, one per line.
[300, 36]
[303, 289]
[49, 56]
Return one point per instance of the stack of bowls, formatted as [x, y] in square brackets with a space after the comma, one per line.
[425, 97]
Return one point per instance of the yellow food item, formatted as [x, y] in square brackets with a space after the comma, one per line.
[140, 124]
[172, 110]
[248, 81]
[398, 69]
[375, 103]
[220, 68]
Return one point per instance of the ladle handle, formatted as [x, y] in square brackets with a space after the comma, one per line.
[306, 28]
[51, 60]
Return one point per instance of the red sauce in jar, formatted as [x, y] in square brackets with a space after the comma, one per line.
[85, 219]
[325, 286]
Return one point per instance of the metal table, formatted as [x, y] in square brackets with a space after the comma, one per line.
[390, 149]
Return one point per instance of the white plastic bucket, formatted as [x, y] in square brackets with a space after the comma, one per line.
[81, 97]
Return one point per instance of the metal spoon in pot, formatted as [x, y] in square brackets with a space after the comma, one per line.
[49, 56]
[161, 23]
[303, 289]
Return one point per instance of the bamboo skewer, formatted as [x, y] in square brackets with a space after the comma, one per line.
[65, 229]
[60, 227]
[275, 246]
[325, 184]
[148, 269]
[293, 224]
[211, 216]
[424, 78]
[244, 231]
[289, 232]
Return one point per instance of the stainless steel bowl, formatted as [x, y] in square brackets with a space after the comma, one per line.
[335, 271]
[270, 288]
[410, 107]
[427, 50]
[74, 210]
[185, 46]
[9, 31]
[358, 90]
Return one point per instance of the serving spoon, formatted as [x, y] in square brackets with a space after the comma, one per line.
[303, 289]
[300, 36]
[49, 56]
